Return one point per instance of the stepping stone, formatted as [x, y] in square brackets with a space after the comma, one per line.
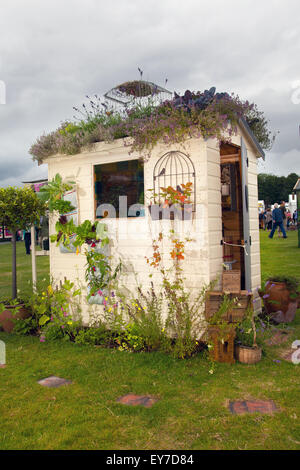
[278, 337]
[252, 406]
[135, 400]
[54, 382]
[2, 366]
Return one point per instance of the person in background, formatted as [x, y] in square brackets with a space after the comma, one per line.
[277, 218]
[288, 219]
[27, 240]
[283, 210]
[268, 219]
[295, 217]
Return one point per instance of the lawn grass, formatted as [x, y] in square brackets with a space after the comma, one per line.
[192, 409]
[24, 270]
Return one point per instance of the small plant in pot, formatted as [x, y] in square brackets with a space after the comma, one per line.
[65, 236]
[281, 295]
[10, 311]
[247, 349]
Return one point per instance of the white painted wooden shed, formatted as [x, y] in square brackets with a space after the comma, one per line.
[225, 208]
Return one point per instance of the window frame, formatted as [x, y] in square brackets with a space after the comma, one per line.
[95, 197]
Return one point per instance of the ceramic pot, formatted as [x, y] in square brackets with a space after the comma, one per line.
[11, 313]
[279, 306]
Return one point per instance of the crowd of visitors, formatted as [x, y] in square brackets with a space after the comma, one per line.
[279, 218]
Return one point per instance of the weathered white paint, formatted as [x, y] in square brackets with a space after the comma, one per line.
[132, 238]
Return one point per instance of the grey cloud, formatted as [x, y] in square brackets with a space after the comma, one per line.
[54, 53]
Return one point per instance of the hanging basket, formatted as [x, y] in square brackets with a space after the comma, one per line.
[69, 248]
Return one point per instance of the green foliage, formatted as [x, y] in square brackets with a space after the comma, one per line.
[27, 326]
[173, 122]
[19, 208]
[96, 336]
[56, 309]
[246, 335]
[52, 195]
[272, 188]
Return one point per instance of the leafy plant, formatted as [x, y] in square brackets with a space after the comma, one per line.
[52, 195]
[56, 308]
[195, 114]
[19, 209]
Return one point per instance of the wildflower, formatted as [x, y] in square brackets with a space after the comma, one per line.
[266, 296]
[211, 371]
[42, 339]
[100, 292]
[62, 326]
[104, 302]
[69, 323]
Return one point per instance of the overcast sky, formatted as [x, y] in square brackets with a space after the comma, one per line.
[53, 53]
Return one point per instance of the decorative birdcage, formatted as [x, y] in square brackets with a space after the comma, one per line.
[174, 169]
[134, 92]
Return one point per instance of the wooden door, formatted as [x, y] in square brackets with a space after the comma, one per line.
[246, 221]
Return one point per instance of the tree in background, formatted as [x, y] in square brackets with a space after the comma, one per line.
[272, 188]
[19, 209]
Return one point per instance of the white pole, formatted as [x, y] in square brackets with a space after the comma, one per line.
[33, 258]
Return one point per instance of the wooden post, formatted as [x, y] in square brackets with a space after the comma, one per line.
[33, 258]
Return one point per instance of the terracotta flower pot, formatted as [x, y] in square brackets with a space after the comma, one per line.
[278, 303]
[247, 355]
[10, 313]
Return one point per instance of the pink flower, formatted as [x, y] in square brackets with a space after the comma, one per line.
[62, 326]
[42, 339]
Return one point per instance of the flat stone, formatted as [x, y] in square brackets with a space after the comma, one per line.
[2, 366]
[252, 406]
[54, 382]
[278, 337]
[134, 400]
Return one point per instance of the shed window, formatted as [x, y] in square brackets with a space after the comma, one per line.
[119, 189]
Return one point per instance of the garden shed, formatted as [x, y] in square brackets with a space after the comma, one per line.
[223, 218]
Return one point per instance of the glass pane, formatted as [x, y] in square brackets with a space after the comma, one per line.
[113, 180]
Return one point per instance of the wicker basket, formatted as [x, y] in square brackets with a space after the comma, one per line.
[247, 355]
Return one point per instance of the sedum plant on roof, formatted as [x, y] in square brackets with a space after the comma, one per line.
[195, 114]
